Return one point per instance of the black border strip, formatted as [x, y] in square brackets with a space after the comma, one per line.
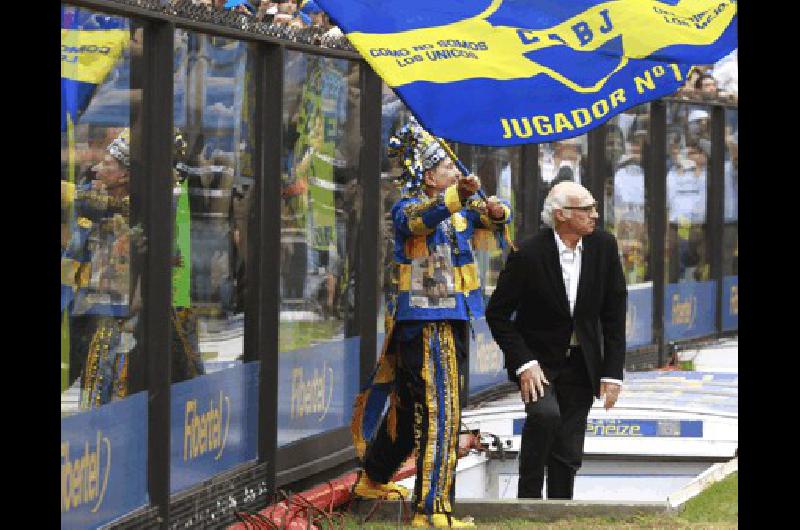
[369, 168]
[157, 141]
[656, 196]
[715, 205]
[270, 145]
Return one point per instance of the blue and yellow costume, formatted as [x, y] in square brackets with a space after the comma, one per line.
[96, 287]
[420, 369]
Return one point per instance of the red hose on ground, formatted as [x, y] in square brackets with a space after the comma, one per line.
[326, 496]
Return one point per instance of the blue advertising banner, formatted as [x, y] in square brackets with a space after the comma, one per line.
[639, 319]
[485, 359]
[634, 428]
[214, 427]
[317, 387]
[104, 463]
[730, 303]
[690, 310]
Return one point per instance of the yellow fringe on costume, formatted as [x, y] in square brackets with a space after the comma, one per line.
[428, 452]
[454, 402]
[384, 375]
[447, 419]
[355, 425]
[483, 240]
[416, 247]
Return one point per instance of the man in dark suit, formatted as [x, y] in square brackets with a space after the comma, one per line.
[566, 343]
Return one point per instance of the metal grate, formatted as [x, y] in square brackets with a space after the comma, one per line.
[212, 504]
[203, 13]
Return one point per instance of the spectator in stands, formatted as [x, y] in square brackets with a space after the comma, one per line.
[707, 86]
[674, 143]
[240, 6]
[266, 10]
[686, 207]
[686, 186]
[699, 130]
[614, 144]
[628, 203]
[285, 13]
[726, 72]
[688, 89]
[313, 15]
[561, 160]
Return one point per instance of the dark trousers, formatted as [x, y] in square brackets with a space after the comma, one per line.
[425, 409]
[555, 428]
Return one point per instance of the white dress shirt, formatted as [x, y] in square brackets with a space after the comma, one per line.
[686, 195]
[570, 260]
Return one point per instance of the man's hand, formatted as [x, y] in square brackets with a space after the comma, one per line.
[495, 209]
[531, 383]
[468, 185]
[611, 392]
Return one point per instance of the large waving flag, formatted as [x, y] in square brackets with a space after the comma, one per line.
[91, 45]
[507, 72]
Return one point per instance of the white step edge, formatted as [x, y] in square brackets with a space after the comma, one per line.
[705, 479]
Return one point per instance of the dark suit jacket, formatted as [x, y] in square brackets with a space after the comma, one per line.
[532, 285]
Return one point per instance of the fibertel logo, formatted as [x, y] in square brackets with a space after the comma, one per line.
[81, 477]
[202, 431]
[312, 395]
[684, 312]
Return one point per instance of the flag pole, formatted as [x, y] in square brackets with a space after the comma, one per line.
[461, 167]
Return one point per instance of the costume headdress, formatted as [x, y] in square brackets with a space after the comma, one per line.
[120, 148]
[418, 151]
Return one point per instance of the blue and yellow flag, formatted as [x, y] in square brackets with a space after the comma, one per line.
[507, 72]
[91, 45]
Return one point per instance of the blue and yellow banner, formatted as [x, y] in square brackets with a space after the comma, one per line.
[91, 45]
[730, 303]
[214, 424]
[104, 463]
[507, 72]
[690, 310]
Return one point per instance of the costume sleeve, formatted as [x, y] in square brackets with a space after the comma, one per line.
[75, 268]
[612, 315]
[419, 217]
[503, 303]
[483, 220]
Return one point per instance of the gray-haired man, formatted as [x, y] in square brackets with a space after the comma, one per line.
[567, 342]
